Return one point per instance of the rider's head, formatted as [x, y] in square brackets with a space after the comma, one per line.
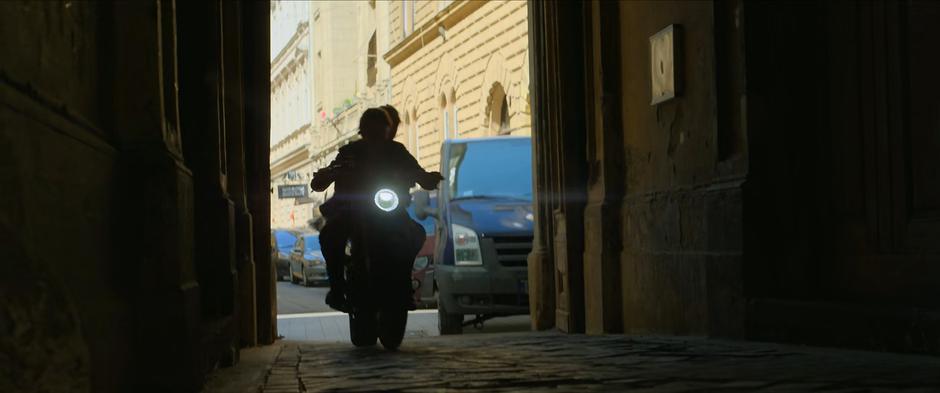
[373, 125]
[393, 118]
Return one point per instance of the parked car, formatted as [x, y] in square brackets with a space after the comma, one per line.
[422, 275]
[282, 242]
[484, 229]
[307, 265]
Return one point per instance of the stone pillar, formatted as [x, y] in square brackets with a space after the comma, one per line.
[556, 50]
[235, 132]
[202, 117]
[156, 190]
[257, 121]
[605, 162]
[541, 262]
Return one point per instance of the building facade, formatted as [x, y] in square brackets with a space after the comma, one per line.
[459, 69]
[292, 100]
[350, 73]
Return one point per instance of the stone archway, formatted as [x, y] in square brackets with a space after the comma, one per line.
[444, 96]
[497, 73]
[496, 111]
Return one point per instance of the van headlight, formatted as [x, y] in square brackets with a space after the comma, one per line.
[386, 199]
[466, 246]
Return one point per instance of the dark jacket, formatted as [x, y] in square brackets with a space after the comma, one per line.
[362, 167]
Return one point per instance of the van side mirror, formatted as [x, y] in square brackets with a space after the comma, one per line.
[422, 205]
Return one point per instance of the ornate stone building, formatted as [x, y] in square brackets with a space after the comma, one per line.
[459, 69]
[351, 74]
[291, 114]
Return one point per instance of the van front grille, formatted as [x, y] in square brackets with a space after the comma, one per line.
[512, 251]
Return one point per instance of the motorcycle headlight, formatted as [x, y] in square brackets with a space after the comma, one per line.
[466, 246]
[386, 199]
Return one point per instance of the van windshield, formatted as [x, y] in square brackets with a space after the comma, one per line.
[498, 168]
[312, 243]
[285, 240]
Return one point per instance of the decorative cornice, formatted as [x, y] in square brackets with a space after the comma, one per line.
[427, 32]
[292, 135]
[276, 64]
[297, 157]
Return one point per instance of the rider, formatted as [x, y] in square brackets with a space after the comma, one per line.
[375, 148]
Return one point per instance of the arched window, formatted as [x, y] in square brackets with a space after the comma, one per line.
[370, 62]
[449, 121]
[504, 117]
[413, 130]
[498, 111]
[407, 17]
[445, 117]
[455, 131]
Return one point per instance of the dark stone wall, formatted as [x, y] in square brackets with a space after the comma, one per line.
[790, 192]
[842, 200]
[100, 286]
[58, 176]
[681, 211]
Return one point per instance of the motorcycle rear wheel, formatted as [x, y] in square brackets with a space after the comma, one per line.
[363, 329]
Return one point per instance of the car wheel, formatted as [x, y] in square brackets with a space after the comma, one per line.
[448, 323]
[290, 272]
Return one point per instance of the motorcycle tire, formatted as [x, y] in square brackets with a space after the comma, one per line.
[392, 328]
[363, 329]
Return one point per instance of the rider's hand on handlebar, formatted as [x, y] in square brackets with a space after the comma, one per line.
[430, 180]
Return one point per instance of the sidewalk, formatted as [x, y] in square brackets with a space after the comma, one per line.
[334, 326]
[551, 361]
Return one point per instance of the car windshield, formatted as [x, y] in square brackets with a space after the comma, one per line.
[491, 168]
[311, 243]
[285, 240]
[427, 223]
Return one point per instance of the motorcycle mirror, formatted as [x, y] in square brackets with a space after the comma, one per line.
[422, 205]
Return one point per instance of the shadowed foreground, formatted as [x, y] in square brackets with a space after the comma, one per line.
[557, 362]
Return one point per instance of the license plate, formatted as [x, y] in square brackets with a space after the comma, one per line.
[524, 286]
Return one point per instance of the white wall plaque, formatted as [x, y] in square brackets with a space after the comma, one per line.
[664, 54]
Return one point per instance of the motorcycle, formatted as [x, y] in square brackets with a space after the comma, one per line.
[378, 270]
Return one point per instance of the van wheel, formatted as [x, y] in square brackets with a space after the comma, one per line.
[448, 323]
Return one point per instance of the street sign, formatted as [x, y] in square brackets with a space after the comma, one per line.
[292, 191]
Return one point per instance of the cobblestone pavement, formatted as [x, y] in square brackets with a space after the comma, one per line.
[550, 361]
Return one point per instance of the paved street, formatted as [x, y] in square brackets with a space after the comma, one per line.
[551, 361]
[303, 316]
[298, 299]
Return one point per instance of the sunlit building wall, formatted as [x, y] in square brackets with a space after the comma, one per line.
[292, 101]
[459, 69]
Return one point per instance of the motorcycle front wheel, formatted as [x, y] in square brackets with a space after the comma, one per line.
[363, 329]
[392, 328]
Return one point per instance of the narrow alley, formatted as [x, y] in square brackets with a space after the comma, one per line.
[645, 196]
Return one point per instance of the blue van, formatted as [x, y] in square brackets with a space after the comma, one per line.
[484, 231]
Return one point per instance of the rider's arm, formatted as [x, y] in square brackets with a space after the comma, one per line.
[322, 179]
[427, 180]
[326, 176]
